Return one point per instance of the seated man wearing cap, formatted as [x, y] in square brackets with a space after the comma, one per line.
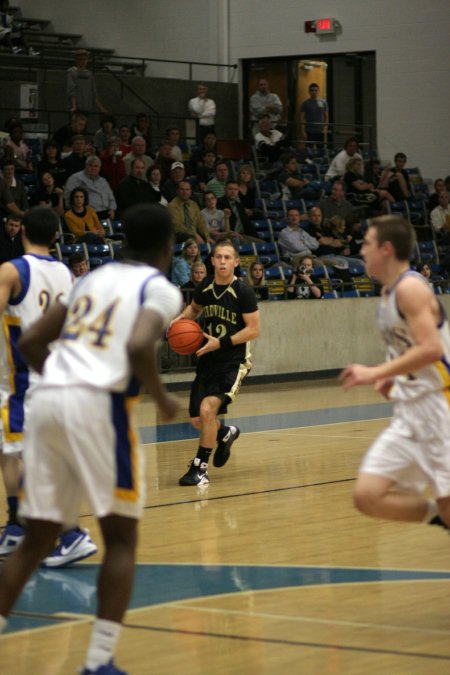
[170, 187]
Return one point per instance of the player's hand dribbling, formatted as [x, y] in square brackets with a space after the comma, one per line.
[211, 346]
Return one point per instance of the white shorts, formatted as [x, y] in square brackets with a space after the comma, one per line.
[414, 451]
[79, 444]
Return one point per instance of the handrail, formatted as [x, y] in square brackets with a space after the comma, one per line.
[138, 96]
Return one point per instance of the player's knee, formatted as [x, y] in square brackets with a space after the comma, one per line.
[208, 410]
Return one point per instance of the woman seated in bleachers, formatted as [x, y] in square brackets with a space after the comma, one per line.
[256, 278]
[247, 189]
[182, 264]
[82, 220]
[49, 194]
[113, 166]
[52, 163]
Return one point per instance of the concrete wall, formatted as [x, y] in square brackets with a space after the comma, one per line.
[309, 336]
[410, 38]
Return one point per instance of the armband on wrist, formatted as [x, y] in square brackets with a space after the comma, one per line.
[225, 342]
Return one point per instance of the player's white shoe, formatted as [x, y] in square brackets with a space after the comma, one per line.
[74, 545]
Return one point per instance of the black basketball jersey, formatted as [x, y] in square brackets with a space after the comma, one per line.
[223, 307]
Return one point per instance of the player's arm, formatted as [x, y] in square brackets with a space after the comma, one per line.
[10, 285]
[191, 311]
[33, 344]
[141, 350]
[419, 307]
[249, 332]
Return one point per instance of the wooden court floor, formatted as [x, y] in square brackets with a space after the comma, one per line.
[268, 569]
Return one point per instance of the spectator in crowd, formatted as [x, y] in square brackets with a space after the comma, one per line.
[125, 139]
[101, 197]
[337, 205]
[16, 148]
[203, 110]
[301, 285]
[164, 160]
[294, 242]
[16, 187]
[360, 190]
[334, 241]
[269, 142]
[373, 174]
[209, 143]
[314, 117]
[198, 273]
[154, 181]
[339, 163]
[206, 170]
[81, 89]
[75, 161]
[113, 166]
[138, 151]
[7, 204]
[135, 189]
[105, 133]
[440, 218]
[425, 270]
[247, 189]
[295, 185]
[216, 220]
[433, 201]
[170, 187]
[11, 245]
[264, 102]
[52, 162]
[78, 264]
[65, 135]
[182, 264]
[399, 185]
[218, 183]
[11, 32]
[256, 278]
[240, 224]
[173, 137]
[141, 127]
[186, 216]
[82, 220]
[49, 194]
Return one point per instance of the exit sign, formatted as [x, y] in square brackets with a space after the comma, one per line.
[322, 26]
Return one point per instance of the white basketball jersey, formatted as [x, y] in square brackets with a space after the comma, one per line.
[44, 281]
[398, 339]
[103, 307]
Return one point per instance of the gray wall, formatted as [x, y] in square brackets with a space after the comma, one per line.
[410, 38]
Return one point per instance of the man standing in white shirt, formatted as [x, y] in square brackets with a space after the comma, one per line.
[264, 102]
[203, 110]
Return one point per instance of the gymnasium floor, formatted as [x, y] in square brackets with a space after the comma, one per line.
[268, 569]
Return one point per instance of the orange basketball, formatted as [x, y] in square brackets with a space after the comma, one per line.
[185, 336]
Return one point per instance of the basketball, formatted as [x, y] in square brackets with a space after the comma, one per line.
[185, 336]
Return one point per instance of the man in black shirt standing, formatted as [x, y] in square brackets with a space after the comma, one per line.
[231, 320]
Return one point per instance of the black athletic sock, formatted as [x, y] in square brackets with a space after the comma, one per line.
[13, 507]
[203, 454]
[438, 521]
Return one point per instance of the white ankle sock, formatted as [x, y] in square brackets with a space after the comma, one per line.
[105, 635]
[432, 511]
[3, 623]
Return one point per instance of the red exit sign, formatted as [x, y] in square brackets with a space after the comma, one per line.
[327, 25]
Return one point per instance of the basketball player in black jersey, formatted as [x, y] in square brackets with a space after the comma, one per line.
[231, 320]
